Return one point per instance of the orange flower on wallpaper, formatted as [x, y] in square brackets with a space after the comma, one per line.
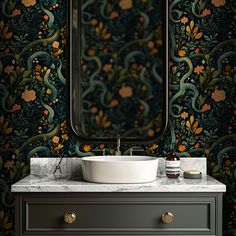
[151, 44]
[126, 4]
[94, 110]
[206, 12]
[184, 115]
[9, 164]
[218, 3]
[197, 145]
[16, 12]
[56, 44]
[150, 132]
[114, 14]
[45, 112]
[56, 139]
[126, 91]
[206, 107]
[184, 20]
[28, 3]
[198, 69]
[87, 148]
[28, 95]
[45, 17]
[182, 53]
[91, 52]
[182, 148]
[94, 22]
[218, 95]
[9, 69]
[16, 107]
[107, 67]
[197, 50]
[114, 103]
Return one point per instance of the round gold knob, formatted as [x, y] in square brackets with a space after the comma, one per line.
[167, 218]
[70, 217]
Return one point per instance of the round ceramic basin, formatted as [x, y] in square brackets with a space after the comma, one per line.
[119, 169]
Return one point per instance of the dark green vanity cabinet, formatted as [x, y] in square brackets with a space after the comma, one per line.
[120, 213]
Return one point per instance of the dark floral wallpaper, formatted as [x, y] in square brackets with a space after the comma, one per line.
[33, 93]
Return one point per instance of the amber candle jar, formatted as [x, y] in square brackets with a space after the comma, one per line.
[172, 166]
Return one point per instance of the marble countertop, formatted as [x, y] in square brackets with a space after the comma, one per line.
[51, 183]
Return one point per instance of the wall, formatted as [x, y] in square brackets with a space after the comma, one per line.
[33, 101]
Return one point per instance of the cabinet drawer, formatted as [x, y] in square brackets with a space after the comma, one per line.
[133, 215]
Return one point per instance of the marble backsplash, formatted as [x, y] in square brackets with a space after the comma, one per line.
[71, 166]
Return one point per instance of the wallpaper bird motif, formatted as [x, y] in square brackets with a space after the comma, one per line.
[33, 119]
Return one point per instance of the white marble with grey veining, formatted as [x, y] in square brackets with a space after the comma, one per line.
[197, 163]
[46, 165]
[50, 183]
[70, 179]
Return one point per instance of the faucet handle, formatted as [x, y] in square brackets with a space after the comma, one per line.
[131, 151]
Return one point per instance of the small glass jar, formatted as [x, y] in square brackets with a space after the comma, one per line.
[172, 164]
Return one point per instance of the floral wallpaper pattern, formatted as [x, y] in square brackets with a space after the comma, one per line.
[123, 84]
[33, 101]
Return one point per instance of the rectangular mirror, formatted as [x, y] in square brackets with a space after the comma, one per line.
[118, 69]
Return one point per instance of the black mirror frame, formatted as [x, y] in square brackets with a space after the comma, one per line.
[73, 56]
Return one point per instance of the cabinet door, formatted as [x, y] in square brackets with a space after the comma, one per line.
[118, 214]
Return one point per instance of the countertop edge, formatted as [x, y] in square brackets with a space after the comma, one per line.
[31, 183]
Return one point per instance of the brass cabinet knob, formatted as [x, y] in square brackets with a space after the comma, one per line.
[70, 217]
[167, 218]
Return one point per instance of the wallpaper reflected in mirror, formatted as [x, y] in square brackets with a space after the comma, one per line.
[118, 80]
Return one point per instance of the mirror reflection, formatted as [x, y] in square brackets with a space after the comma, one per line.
[118, 79]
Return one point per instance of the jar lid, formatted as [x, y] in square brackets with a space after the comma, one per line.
[192, 174]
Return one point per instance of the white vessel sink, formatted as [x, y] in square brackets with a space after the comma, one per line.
[119, 169]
